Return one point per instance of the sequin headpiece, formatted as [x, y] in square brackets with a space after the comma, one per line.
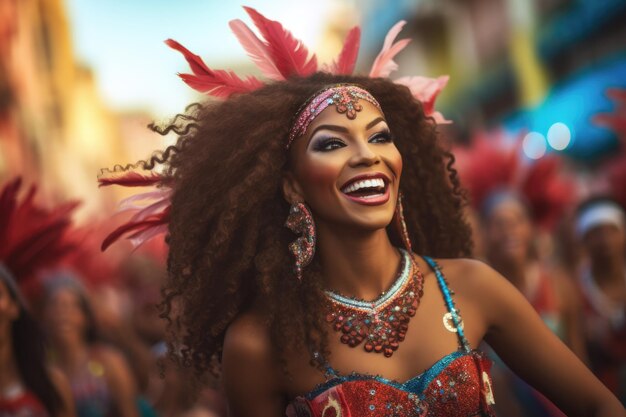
[279, 56]
[345, 97]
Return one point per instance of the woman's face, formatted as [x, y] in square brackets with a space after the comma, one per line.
[508, 231]
[64, 315]
[605, 242]
[347, 171]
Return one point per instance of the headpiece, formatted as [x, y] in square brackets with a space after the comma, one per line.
[32, 237]
[490, 166]
[278, 55]
[344, 96]
[600, 213]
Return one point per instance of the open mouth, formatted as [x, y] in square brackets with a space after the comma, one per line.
[369, 190]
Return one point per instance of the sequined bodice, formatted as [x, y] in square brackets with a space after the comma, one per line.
[458, 384]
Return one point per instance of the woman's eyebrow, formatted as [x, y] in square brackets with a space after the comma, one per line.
[374, 123]
[337, 128]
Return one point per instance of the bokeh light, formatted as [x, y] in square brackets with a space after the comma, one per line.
[534, 145]
[559, 136]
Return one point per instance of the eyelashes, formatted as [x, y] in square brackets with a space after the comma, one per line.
[329, 143]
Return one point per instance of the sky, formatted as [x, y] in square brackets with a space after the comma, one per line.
[122, 41]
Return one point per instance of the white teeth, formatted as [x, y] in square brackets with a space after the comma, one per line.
[355, 186]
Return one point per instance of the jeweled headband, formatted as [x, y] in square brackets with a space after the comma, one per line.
[345, 97]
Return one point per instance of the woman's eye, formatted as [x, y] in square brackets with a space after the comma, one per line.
[382, 137]
[326, 145]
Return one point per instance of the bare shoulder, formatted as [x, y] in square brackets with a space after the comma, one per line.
[247, 338]
[480, 286]
[470, 276]
[250, 373]
[110, 357]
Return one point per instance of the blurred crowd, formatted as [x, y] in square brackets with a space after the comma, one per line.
[81, 333]
[80, 330]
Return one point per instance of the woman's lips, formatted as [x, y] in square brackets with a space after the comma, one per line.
[370, 200]
[370, 189]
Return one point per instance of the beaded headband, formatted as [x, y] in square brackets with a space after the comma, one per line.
[345, 97]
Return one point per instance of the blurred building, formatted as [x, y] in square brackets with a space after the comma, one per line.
[54, 128]
[525, 64]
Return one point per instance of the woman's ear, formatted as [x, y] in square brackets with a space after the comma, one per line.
[292, 192]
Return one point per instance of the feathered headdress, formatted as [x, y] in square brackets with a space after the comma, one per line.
[32, 237]
[492, 164]
[278, 55]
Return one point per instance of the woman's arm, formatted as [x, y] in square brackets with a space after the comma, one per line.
[532, 351]
[121, 383]
[250, 373]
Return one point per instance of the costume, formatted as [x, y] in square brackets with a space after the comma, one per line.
[494, 172]
[91, 393]
[18, 402]
[456, 385]
[604, 318]
[460, 379]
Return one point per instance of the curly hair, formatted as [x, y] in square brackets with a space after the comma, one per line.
[228, 244]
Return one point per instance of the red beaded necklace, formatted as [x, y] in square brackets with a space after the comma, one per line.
[382, 324]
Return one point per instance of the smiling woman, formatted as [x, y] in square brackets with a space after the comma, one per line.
[353, 317]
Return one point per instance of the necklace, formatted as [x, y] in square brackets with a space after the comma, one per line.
[382, 324]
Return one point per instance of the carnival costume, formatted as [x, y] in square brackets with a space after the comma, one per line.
[458, 384]
[32, 238]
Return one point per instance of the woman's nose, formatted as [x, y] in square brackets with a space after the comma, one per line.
[364, 155]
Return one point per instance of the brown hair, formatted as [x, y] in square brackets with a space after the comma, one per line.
[228, 243]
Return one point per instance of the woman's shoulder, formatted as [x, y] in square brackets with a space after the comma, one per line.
[250, 372]
[248, 336]
[467, 272]
[476, 281]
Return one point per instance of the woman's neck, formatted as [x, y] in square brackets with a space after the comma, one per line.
[71, 354]
[357, 264]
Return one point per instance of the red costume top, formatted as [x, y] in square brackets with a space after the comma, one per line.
[457, 385]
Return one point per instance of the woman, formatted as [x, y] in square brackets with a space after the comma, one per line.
[31, 239]
[27, 386]
[601, 229]
[101, 382]
[355, 322]
[509, 236]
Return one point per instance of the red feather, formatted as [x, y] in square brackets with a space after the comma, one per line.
[221, 83]
[131, 179]
[33, 237]
[289, 54]
[135, 227]
[196, 63]
[8, 200]
[347, 57]
[218, 83]
[548, 193]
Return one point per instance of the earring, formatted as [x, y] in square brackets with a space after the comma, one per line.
[401, 225]
[300, 221]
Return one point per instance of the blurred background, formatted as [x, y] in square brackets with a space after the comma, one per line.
[537, 96]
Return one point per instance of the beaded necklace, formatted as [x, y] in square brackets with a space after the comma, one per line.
[381, 323]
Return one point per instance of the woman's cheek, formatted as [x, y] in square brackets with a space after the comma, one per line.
[320, 175]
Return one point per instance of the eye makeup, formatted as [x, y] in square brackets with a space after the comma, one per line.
[327, 143]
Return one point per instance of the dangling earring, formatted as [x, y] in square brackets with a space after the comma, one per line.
[300, 221]
[401, 225]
